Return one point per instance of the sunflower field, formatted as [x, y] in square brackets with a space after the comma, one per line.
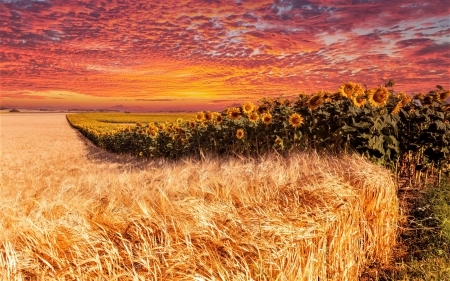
[410, 135]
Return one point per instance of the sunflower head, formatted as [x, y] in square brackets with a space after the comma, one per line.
[253, 117]
[208, 116]
[346, 90]
[200, 116]
[316, 100]
[427, 100]
[240, 133]
[397, 108]
[153, 133]
[139, 124]
[442, 95]
[419, 96]
[234, 113]
[162, 126]
[266, 118]
[263, 109]
[127, 129]
[176, 137]
[359, 101]
[248, 107]
[219, 118]
[405, 99]
[378, 96]
[350, 90]
[192, 124]
[179, 120]
[296, 120]
[279, 141]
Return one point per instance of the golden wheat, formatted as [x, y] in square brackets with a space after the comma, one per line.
[71, 211]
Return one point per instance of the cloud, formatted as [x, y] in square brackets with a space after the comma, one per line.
[219, 49]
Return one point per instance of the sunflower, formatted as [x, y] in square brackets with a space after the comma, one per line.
[240, 133]
[316, 100]
[153, 133]
[378, 96]
[169, 130]
[358, 101]
[176, 137]
[253, 117]
[179, 120]
[200, 116]
[405, 99]
[234, 113]
[327, 97]
[154, 128]
[278, 141]
[140, 153]
[192, 124]
[266, 118]
[442, 96]
[127, 130]
[419, 96]
[397, 108]
[296, 120]
[427, 100]
[350, 90]
[262, 109]
[248, 107]
[162, 126]
[208, 115]
[219, 118]
[139, 124]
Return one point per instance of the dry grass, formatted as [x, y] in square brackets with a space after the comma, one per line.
[73, 212]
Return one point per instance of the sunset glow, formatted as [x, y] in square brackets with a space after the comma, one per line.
[192, 55]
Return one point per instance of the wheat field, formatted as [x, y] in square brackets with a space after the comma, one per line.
[70, 211]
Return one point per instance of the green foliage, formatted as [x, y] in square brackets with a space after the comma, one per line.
[427, 238]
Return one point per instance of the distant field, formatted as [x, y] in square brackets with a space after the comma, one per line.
[107, 122]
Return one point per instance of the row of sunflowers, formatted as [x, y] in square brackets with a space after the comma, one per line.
[387, 127]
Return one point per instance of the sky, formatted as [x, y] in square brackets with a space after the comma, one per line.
[145, 55]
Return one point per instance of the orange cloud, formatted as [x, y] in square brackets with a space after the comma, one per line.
[182, 54]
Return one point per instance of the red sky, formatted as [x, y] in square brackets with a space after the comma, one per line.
[190, 55]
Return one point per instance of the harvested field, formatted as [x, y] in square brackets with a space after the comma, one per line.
[71, 211]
